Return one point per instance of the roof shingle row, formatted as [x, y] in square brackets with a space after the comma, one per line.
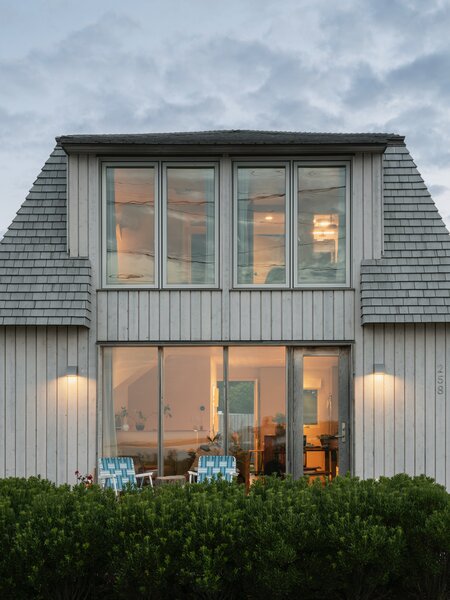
[39, 283]
[411, 283]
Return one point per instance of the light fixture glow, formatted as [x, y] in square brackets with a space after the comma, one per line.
[268, 218]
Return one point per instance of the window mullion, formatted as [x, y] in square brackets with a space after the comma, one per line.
[225, 399]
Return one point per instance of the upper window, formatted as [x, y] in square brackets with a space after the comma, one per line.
[321, 225]
[186, 252]
[160, 224]
[261, 225]
[130, 224]
[190, 227]
[309, 250]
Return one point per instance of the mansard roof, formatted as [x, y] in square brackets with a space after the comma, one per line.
[39, 283]
[411, 283]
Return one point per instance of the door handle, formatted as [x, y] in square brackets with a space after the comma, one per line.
[343, 435]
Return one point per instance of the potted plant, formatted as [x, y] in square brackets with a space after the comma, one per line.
[280, 424]
[242, 458]
[121, 419]
[140, 420]
[124, 418]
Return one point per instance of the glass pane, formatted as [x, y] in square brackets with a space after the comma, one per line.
[193, 421]
[261, 226]
[320, 415]
[191, 234]
[321, 225]
[257, 409]
[130, 230]
[130, 411]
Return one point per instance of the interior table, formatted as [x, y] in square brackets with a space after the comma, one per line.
[330, 460]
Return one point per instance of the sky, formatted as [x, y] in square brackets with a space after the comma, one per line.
[109, 66]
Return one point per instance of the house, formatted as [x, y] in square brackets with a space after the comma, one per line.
[285, 295]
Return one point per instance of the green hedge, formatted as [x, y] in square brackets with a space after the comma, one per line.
[349, 539]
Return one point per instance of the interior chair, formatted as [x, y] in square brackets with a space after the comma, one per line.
[276, 275]
[213, 467]
[117, 471]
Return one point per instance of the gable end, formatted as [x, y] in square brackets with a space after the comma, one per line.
[39, 283]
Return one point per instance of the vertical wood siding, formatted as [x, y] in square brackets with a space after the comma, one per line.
[44, 424]
[48, 424]
[403, 422]
[80, 193]
[173, 316]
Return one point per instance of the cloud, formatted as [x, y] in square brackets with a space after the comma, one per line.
[437, 190]
[296, 65]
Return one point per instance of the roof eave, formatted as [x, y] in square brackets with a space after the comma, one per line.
[107, 149]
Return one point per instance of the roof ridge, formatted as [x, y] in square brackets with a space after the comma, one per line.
[237, 136]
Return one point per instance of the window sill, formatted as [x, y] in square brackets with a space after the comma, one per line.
[143, 288]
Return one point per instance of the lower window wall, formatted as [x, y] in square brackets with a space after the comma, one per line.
[165, 407]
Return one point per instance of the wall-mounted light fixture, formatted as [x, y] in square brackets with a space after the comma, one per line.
[72, 371]
[378, 368]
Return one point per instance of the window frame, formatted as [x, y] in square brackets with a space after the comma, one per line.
[104, 262]
[165, 165]
[321, 163]
[160, 223]
[267, 163]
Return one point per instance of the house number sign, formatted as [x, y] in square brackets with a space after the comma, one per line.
[440, 380]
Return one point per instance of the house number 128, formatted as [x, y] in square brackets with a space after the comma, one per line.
[440, 380]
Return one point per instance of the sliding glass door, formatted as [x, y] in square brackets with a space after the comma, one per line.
[320, 412]
[278, 410]
[190, 412]
[257, 409]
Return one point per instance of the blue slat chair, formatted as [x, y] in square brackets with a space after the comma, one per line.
[211, 467]
[117, 471]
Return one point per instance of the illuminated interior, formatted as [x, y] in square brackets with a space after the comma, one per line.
[261, 227]
[321, 211]
[326, 235]
[190, 420]
[130, 243]
[320, 415]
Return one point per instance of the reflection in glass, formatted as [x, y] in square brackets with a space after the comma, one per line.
[191, 243]
[130, 225]
[192, 420]
[261, 225]
[257, 409]
[130, 410]
[320, 415]
[321, 225]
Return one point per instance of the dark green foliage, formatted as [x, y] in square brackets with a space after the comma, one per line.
[350, 539]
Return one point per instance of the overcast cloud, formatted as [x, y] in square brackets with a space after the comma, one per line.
[110, 66]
